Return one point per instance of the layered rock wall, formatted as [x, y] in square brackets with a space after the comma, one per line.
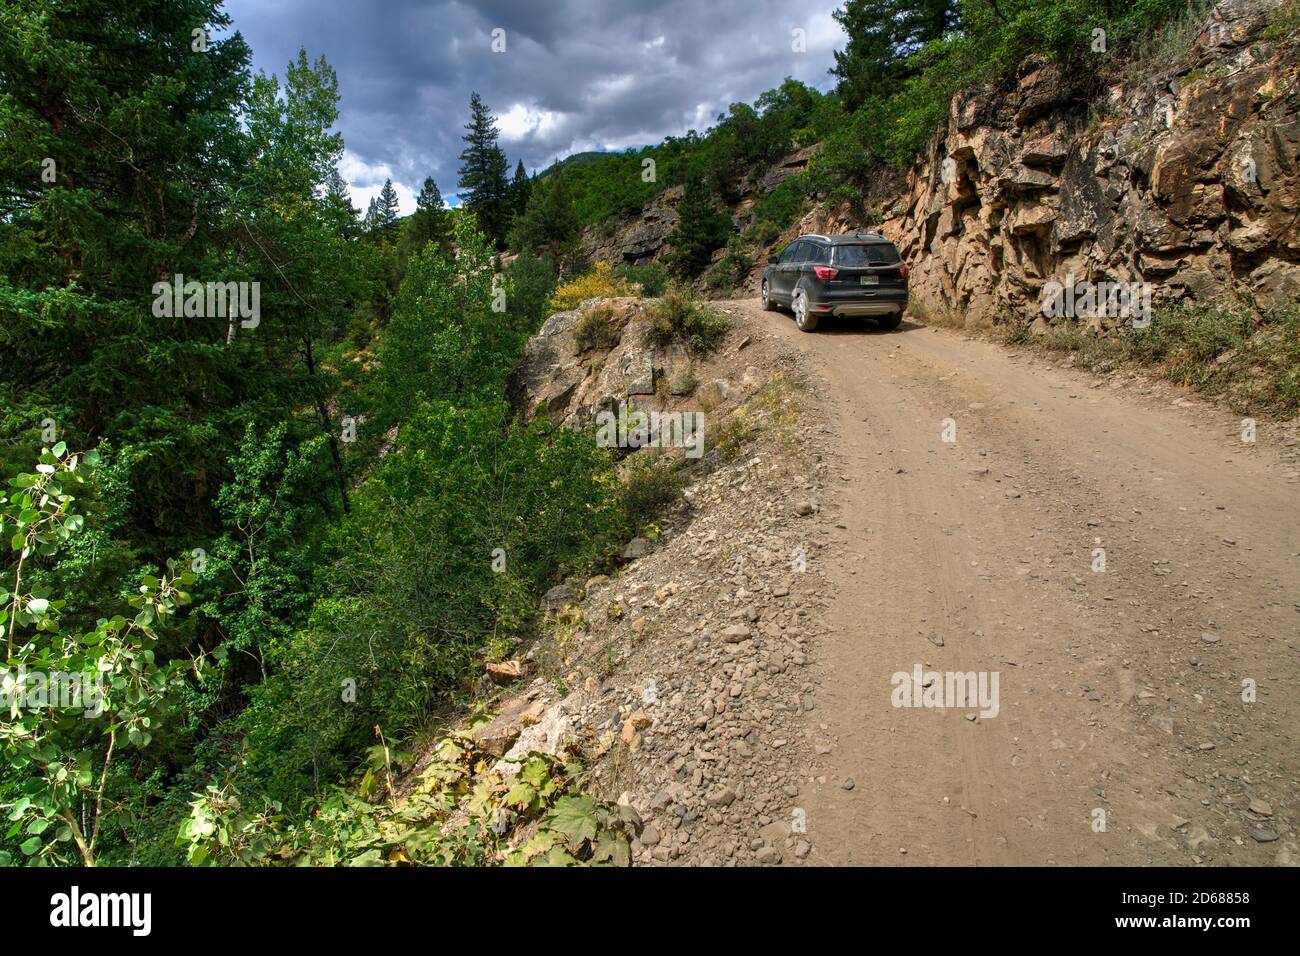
[1187, 179]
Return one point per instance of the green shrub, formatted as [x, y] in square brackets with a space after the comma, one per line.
[783, 204]
[444, 551]
[678, 317]
[1284, 21]
[764, 233]
[652, 277]
[732, 269]
[650, 483]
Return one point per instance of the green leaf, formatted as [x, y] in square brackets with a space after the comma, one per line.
[535, 771]
[31, 845]
[520, 795]
[575, 817]
[611, 847]
[559, 856]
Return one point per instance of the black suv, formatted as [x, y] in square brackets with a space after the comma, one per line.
[859, 274]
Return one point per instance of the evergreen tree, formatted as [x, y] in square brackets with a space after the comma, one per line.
[520, 189]
[386, 208]
[701, 228]
[483, 182]
[882, 35]
[120, 148]
[431, 222]
[430, 198]
[338, 206]
[550, 222]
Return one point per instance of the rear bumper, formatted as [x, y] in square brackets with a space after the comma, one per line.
[865, 308]
[852, 302]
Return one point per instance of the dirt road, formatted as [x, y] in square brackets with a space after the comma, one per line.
[1156, 695]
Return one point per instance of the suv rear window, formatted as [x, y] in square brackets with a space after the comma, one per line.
[866, 254]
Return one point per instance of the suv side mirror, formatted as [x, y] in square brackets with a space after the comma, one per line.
[772, 259]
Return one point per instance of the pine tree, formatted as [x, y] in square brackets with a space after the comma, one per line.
[882, 35]
[520, 189]
[337, 206]
[483, 182]
[550, 221]
[121, 150]
[386, 208]
[701, 228]
[430, 198]
[431, 222]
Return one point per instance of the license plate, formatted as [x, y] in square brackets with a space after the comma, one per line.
[870, 280]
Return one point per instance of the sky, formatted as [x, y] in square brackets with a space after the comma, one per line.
[574, 75]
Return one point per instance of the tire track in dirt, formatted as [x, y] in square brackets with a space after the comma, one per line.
[976, 555]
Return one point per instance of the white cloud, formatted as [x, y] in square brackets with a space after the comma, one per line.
[366, 180]
[824, 33]
[521, 121]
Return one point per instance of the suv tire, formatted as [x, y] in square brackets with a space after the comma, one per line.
[768, 304]
[803, 319]
[891, 322]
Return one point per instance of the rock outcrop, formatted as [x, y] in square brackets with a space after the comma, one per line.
[557, 377]
[1187, 179]
[637, 239]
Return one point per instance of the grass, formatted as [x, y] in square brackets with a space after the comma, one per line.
[1247, 358]
[769, 408]
[1169, 44]
[1284, 21]
[595, 329]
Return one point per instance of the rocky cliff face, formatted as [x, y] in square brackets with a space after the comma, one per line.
[1187, 179]
[637, 239]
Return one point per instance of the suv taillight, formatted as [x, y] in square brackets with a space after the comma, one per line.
[824, 272]
[904, 271]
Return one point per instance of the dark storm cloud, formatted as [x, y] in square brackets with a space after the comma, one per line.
[575, 75]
